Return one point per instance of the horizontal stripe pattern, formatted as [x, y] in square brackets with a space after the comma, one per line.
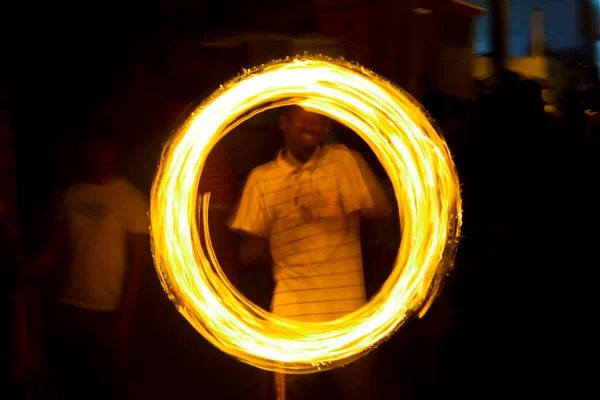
[306, 211]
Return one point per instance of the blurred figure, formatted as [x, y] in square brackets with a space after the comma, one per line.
[573, 116]
[8, 208]
[524, 194]
[8, 248]
[537, 134]
[530, 100]
[436, 103]
[8, 214]
[103, 231]
[302, 211]
[450, 116]
[593, 120]
[539, 142]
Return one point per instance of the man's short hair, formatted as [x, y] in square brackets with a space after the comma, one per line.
[100, 131]
[288, 111]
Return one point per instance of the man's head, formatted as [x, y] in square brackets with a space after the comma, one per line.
[303, 131]
[530, 97]
[101, 150]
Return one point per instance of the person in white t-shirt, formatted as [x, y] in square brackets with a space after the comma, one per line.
[103, 230]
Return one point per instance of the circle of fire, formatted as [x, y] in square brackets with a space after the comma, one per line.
[416, 159]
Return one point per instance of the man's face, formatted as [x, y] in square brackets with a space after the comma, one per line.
[100, 156]
[303, 130]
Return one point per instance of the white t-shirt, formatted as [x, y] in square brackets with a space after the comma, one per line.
[98, 218]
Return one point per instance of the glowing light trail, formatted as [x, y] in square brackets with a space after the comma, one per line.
[415, 158]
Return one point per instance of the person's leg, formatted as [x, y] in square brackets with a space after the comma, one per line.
[296, 387]
[106, 365]
[359, 379]
[65, 353]
[80, 354]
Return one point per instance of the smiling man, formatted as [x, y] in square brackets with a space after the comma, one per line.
[302, 211]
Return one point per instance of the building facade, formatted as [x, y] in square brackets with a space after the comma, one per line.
[568, 25]
[420, 45]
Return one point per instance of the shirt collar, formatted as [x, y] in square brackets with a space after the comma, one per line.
[286, 160]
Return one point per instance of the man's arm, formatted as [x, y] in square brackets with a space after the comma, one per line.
[379, 206]
[42, 262]
[254, 249]
[137, 250]
[137, 254]
[48, 257]
[251, 218]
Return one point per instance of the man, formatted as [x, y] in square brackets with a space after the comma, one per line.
[103, 229]
[303, 211]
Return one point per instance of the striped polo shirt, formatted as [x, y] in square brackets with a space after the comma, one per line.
[309, 213]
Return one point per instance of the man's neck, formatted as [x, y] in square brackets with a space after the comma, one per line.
[299, 157]
[106, 179]
[290, 158]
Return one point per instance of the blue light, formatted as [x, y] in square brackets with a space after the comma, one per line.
[598, 56]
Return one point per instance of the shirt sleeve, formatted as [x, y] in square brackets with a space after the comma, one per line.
[251, 215]
[136, 216]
